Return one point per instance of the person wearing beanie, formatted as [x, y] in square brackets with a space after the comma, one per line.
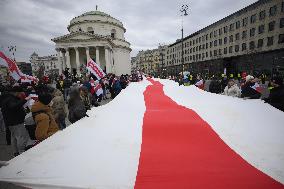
[43, 117]
[276, 96]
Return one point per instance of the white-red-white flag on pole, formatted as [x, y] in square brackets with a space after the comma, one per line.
[95, 69]
[14, 70]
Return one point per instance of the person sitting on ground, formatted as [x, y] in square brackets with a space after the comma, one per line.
[76, 106]
[43, 117]
[248, 90]
[232, 89]
[276, 96]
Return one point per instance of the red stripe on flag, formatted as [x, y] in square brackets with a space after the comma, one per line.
[96, 69]
[180, 150]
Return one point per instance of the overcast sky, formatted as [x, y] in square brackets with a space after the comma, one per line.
[30, 24]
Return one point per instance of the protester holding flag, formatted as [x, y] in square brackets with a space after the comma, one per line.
[249, 89]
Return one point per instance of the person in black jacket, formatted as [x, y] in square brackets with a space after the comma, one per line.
[14, 116]
[67, 83]
[276, 96]
[215, 86]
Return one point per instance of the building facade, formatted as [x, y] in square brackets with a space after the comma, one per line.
[150, 61]
[45, 65]
[98, 36]
[250, 40]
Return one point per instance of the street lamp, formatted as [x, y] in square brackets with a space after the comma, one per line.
[183, 10]
[162, 61]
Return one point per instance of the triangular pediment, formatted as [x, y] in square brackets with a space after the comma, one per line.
[79, 36]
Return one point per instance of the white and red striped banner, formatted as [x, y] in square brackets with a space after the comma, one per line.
[158, 135]
[95, 69]
[14, 70]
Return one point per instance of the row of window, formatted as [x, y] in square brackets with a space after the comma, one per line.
[237, 25]
[243, 47]
[230, 39]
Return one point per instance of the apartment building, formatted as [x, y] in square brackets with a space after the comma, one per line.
[251, 40]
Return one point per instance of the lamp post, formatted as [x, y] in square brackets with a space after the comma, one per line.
[12, 49]
[162, 61]
[183, 10]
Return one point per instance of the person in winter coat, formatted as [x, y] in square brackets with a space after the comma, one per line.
[67, 83]
[116, 87]
[86, 97]
[43, 117]
[76, 106]
[58, 108]
[276, 96]
[232, 89]
[248, 92]
[14, 117]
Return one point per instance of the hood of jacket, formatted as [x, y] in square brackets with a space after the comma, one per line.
[57, 93]
[38, 106]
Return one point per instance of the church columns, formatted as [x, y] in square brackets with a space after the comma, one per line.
[67, 54]
[64, 60]
[60, 64]
[107, 60]
[77, 60]
[98, 56]
[88, 54]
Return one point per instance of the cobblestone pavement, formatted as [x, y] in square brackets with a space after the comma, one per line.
[6, 153]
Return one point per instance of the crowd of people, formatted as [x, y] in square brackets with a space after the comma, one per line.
[31, 112]
[271, 90]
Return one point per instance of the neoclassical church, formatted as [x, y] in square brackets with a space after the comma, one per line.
[98, 36]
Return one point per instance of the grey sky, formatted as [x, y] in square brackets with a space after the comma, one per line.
[30, 24]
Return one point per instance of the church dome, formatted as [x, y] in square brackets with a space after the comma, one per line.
[96, 13]
[94, 19]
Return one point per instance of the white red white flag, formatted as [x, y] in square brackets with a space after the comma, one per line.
[156, 134]
[14, 70]
[257, 87]
[95, 69]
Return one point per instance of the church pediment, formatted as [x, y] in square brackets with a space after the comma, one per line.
[79, 36]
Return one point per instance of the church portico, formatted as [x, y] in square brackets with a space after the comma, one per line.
[110, 51]
[76, 57]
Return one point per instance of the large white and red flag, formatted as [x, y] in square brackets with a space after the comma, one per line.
[11, 65]
[158, 135]
[14, 70]
[95, 69]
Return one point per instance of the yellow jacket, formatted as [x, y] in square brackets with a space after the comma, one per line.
[45, 123]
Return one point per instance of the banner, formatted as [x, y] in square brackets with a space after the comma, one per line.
[95, 69]
[14, 70]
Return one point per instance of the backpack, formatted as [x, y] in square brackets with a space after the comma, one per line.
[30, 123]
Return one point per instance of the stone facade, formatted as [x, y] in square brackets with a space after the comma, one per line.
[98, 36]
[46, 64]
[150, 61]
[251, 32]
